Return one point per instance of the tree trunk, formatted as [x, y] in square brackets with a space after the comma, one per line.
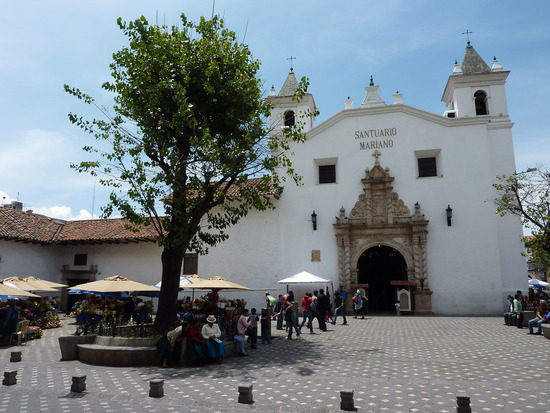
[172, 259]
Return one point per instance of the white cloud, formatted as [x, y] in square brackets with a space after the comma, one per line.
[5, 199]
[62, 212]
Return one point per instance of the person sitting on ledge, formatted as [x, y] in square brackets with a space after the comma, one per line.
[166, 345]
[196, 350]
[211, 333]
[542, 312]
[232, 333]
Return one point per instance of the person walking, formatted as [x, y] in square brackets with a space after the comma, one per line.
[264, 327]
[290, 317]
[358, 304]
[339, 310]
[307, 312]
[322, 308]
[278, 312]
[328, 317]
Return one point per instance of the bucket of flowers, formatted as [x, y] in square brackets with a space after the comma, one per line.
[34, 332]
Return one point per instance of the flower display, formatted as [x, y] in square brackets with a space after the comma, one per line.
[41, 312]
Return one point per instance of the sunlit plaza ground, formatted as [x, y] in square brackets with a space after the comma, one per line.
[392, 364]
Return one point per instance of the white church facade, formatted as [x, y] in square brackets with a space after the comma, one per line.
[395, 200]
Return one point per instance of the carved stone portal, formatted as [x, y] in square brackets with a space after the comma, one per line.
[379, 217]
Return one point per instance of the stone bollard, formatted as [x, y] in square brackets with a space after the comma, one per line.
[9, 378]
[463, 404]
[245, 394]
[346, 400]
[156, 388]
[79, 384]
[15, 356]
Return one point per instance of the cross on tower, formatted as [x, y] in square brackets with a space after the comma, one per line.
[376, 154]
[291, 58]
[468, 33]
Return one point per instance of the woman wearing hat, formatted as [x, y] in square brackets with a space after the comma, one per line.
[358, 307]
[211, 333]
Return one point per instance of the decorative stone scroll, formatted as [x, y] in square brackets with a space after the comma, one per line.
[380, 217]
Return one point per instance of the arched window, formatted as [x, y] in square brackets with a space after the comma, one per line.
[481, 103]
[289, 118]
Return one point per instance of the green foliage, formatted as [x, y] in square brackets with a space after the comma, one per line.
[527, 195]
[187, 133]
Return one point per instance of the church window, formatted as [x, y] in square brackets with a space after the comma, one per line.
[327, 174]
[427, 167]
[290, 119]
[428, 163]
[80, 259]
[326, 170]
[191, 264]
[481, 103]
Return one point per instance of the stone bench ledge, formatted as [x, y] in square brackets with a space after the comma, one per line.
[118, 356]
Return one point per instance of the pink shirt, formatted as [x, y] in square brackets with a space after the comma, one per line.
[243, 324]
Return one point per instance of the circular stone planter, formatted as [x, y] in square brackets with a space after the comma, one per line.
[126, 341]
[68, 345]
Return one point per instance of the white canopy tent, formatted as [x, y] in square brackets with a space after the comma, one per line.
[305, 277]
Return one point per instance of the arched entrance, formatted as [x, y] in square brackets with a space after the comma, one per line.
[380, 241]
[377, 267]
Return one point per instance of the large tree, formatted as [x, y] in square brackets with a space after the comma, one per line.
[187, 132]
[527, 195]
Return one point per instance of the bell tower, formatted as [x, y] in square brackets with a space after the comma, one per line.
[286, 110]
[475, 89]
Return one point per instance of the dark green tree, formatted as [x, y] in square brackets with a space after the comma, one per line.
[189, 147]
[527, 195]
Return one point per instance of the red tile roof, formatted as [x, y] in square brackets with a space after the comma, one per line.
[29, 227]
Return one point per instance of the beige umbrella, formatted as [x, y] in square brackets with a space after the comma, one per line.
[13, 291]
[194, 278]
[45, 283]
[216, 283]
[26, 285]
[114, 284]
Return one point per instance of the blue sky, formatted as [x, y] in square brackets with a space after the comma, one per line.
[409, 46]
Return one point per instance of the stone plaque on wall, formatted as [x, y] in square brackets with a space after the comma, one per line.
[315, 255]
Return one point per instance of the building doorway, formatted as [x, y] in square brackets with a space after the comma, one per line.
[377, 267]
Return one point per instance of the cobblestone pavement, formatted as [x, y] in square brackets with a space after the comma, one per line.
[393, 364]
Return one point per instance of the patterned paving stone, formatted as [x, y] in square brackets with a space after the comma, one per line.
[393, 364]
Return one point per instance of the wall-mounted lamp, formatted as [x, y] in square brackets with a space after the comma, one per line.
[449, 212]
[314, 220]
